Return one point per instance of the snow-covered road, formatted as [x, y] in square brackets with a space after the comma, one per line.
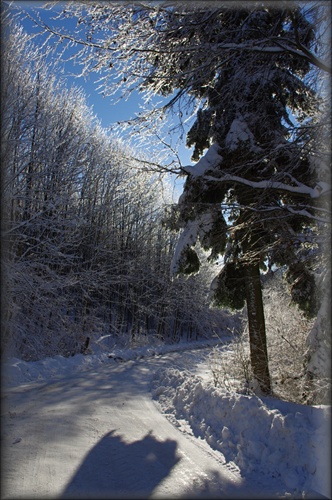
[100, 435]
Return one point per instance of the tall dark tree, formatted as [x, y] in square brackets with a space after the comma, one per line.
[247, 101]
[246, 105]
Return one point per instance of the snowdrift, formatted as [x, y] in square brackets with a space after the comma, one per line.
[268, 436]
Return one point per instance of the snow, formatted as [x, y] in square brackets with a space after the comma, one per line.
[16, 372]
[283, 448]
[187, 238]
[198, 227]
[208, 162]
[322, 189]
[319, 342]
[260, 435]
[240, 132]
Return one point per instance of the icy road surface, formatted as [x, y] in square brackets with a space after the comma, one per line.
[100, 435]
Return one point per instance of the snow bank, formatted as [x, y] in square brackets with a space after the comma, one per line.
[285, 443]
[16, 372]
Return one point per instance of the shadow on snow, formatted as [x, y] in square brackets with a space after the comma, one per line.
[115, 468]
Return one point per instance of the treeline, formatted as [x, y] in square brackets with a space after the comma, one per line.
[84, 249]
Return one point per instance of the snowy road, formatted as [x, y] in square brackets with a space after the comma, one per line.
[100, 435]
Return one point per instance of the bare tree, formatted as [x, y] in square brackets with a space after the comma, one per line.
[85, 251]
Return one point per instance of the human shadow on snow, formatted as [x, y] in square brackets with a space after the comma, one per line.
[118, 469]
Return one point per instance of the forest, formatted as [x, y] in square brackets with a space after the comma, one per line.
[93, 241]
[87, 251]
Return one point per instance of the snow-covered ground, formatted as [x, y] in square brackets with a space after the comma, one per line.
[261, 447]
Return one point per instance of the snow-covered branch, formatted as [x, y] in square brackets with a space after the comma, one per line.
[320, 189]
[280, 46]
[285, 209]
[212, 159]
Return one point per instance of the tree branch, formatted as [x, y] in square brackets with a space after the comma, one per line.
[319, 190]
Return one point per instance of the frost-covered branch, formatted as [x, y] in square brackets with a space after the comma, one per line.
[278, 46]
[321, 188]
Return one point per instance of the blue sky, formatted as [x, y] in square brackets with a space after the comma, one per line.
[106, 112]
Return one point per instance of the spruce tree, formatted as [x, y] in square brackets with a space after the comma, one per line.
[245, 113]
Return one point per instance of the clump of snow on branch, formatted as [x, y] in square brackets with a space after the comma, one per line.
[203, 222]
[194, 229]
[240, 132]
[207, 163]
[187, 238]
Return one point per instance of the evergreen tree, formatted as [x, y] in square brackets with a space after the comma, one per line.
[246, 101]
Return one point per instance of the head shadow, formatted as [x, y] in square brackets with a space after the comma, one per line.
[115, 468]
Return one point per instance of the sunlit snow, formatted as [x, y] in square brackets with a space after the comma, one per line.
[208, 162]
[274, 440]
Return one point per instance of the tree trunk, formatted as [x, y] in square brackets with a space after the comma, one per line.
[257, 334]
